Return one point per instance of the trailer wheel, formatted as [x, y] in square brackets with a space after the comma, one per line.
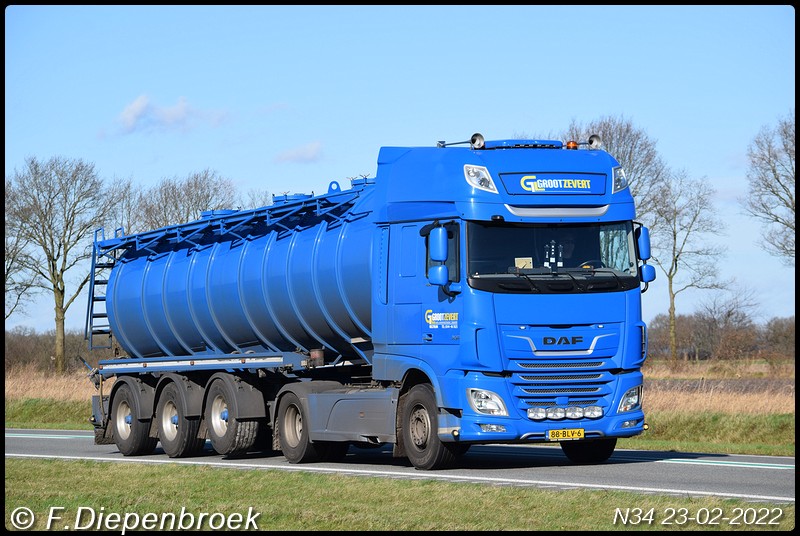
[229, 436]
[420, 431]
[131, 435]
[178, 434]
[587, 452]
[293, 432]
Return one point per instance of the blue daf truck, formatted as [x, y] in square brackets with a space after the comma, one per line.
[470, 293]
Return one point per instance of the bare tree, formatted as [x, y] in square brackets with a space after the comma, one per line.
[771, 192]
[20, 279]
[634, 150]
[683, 216]
[127, 216]
[730, 332]
[257, 199]
[175, 200]
[58, 204]
[778, 344]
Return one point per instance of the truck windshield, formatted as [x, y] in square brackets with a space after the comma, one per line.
[508, 257]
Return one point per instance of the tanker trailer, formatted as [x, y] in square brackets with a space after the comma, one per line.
[473, 292]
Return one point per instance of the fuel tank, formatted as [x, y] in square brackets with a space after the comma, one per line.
[293, 276]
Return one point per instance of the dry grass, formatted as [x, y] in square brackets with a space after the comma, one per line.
[660, 369]
[769, 397]
[745, 387]
[29, 382]
[709, 398]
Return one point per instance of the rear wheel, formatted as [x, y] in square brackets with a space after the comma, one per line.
[293, 432]
[591, 451]
[130, 434]
[178, 434]
[229, 436]
[421, 431]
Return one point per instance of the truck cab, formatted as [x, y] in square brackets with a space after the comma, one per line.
[514, 272]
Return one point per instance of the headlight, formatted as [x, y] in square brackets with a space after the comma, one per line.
[631, 400]
[486, 402]
[479, 177]
[620, 181]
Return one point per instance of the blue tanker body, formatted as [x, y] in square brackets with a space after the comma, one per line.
[277, 288]
[488, 293]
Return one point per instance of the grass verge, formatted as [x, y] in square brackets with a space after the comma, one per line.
[303, 501]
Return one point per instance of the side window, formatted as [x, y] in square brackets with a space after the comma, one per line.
[452, 253]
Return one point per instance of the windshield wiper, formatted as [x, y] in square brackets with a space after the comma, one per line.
[527, 278]
[595, 271]
[574, 281]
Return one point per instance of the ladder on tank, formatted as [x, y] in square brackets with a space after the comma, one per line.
[97, 324]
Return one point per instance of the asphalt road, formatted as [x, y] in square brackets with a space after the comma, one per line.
[760, 479]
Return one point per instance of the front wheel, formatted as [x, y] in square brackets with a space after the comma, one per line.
[229, 436]
[421, 431]
[130, 434]
[589, 451]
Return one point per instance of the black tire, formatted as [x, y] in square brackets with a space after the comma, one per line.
[294, 437]
[178, 435]
[229, 436]
[131, 435]
[420, 431]
[591, 451]
[263, 442]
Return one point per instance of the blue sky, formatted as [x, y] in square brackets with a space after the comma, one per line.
[289, 98]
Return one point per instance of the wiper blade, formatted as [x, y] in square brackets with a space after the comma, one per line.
[528, 279]
[595, 271]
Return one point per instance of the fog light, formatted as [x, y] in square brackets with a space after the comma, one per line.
[537, 414]
[492, 428]
[628, 424]
[574, 412]
[593, 412]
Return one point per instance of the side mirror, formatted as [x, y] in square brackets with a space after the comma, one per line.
[644, 243]
[437, 243]
[438, 275]
[648, 273]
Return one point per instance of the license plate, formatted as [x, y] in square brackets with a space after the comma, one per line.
[564, 435]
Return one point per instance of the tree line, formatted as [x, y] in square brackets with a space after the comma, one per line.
[54, 206]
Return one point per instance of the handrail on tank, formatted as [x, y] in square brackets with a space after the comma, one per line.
[324, 206]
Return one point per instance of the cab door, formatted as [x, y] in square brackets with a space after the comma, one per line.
[442, 303]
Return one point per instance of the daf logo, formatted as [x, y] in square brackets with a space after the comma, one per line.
[561, 341]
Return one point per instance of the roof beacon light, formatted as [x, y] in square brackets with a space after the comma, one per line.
[572, 145]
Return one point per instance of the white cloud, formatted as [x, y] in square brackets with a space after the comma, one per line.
[134, 113]
[144, 115]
